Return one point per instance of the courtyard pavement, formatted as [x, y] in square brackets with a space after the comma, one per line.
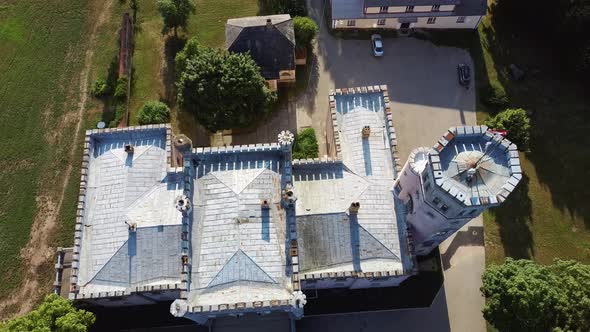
[426, 100]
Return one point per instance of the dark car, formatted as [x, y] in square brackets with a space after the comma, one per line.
[464, 75]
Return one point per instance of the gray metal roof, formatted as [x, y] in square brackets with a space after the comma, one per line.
[134, 189]
[475, 165]
[365, 175]
[238, 247]
[337, 240]
[353, 9]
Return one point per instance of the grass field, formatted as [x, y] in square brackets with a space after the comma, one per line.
[40, 61]
[45, 65]
[548, 216]
[153, 57]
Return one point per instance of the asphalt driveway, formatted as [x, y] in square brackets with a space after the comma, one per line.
[426, 100]
[422, 80]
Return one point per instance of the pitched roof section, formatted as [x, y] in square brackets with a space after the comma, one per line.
[334, 239]
[271, 44]
[240, 267]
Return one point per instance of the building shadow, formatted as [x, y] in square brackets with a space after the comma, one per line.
[513, 218]
[172, 46]
[473, 236]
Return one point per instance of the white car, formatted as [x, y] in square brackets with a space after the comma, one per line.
[377, 45]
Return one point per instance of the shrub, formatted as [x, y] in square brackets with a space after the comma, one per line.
[223, 90]
[100, 88]
[522, 295]
[291, 7]
[516, 122]
[120, 112]
[53, 314]
[153, 112]
[306, 145]
[305, 30]
[495, 95]
[121, 88]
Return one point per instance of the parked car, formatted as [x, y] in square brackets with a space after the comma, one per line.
[464, 75]
[377, 45]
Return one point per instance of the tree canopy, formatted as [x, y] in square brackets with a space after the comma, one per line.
[522, 295]
[55, 314]
[305, 30]
[175, 13]
[306, 145]
[516, 122]
[223, 90]
[564, 32]
[153, 112]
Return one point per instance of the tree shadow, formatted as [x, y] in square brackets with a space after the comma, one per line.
[172, 46]
[557, 104]
[306, 88]
[108, 102]
[513, 218]
[473, 236]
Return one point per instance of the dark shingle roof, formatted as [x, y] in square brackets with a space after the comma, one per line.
[272, 46]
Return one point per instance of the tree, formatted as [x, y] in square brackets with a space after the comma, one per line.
[516, 122]
[175, 14]
[153, 112]
[223, 90]
[121, 88]
[306, 145]
[100, 88]
[305, 30]
[522, 295]
[54, 314]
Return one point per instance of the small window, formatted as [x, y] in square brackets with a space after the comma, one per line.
[441, 233]
[435, 8]
[383, 9]
[430, 214]
[409, 9]
[444, 208]
[461, 19]
[436, 200]
[431, 20]
[381, 21]
[351, 23]
[461, 213]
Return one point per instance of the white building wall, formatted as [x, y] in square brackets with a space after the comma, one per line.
[402, 9]
[353, 283]
[447, 22]
[430, 224]
[444, 22]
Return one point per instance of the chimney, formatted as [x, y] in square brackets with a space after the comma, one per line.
[268, 22]
[129, 148]
[366, 131]
[265, 204]
[354, 208]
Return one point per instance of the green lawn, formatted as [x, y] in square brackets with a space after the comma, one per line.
[40, 63]
[153, 57]
[548, 216]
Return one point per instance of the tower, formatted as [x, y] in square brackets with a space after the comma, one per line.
[469, 170]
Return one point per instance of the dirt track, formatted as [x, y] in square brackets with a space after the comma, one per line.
[38, 253]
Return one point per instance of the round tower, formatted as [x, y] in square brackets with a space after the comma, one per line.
[469, 170]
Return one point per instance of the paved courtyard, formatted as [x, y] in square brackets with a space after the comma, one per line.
[422, 81]
[426, 100]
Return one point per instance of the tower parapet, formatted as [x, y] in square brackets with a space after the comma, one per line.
[467, 171]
